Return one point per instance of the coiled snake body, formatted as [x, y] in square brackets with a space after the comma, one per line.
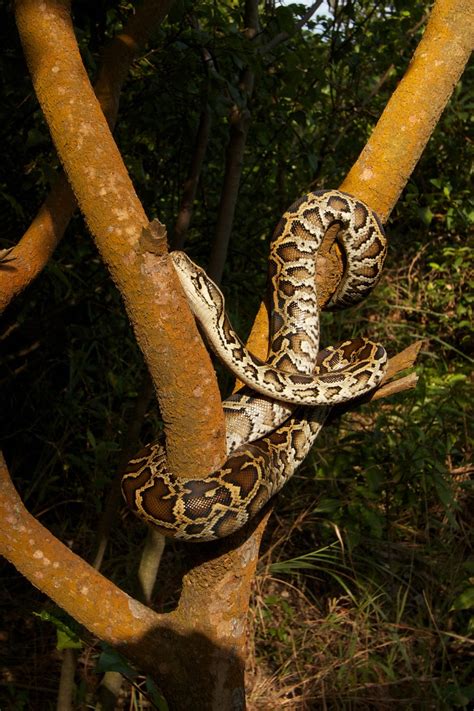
[263, 452]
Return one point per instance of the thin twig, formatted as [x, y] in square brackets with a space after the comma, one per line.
[239, 126]
[283, 36]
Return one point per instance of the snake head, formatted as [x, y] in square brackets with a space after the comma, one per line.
[203, 295]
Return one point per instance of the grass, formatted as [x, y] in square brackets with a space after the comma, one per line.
[371, 629]
[364, 599]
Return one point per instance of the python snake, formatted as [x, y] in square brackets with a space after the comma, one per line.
[263, 452]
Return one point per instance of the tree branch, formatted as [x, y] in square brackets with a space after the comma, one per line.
[399, 138]
[402, 132]
[163, 324]
[239, 126]
[27, 259]
[203, 640]
[283, 36]
[183, 219]
[67, 579]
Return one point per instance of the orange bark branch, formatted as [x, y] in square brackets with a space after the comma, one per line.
[164, 326]
[67, 579]
[387, 161]
[27, 259]
[402, 132]
[193, 653]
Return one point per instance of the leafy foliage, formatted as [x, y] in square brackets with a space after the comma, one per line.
[381, 560]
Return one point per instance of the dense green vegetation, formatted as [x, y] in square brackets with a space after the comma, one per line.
[365, 592]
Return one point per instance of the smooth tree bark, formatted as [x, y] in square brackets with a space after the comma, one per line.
[410, 117]
[141, 269]
[27, 259]
[197, 652]
[388, 159]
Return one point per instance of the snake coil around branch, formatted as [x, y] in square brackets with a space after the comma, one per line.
[272, 424]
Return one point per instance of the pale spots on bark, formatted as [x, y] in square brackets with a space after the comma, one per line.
[137, 610]
[237, 627]
[249, 553]
[414, 108]
[121, 214]
[367, 174]
[83, 131]
[90, 172]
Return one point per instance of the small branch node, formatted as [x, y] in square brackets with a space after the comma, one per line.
[154, 239]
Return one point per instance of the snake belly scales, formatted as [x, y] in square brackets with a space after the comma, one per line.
[268, 435]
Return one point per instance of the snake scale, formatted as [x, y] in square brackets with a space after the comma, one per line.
[268, 435]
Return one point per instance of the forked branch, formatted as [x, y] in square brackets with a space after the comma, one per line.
[28, 258]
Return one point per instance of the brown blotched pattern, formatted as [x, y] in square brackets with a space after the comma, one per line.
[295, 374]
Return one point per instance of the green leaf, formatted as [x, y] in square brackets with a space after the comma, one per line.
[327, 506]
[156, 696]
[111, 660]
[464, 601]
[66, 637]
[286, 20]
[425, 215]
